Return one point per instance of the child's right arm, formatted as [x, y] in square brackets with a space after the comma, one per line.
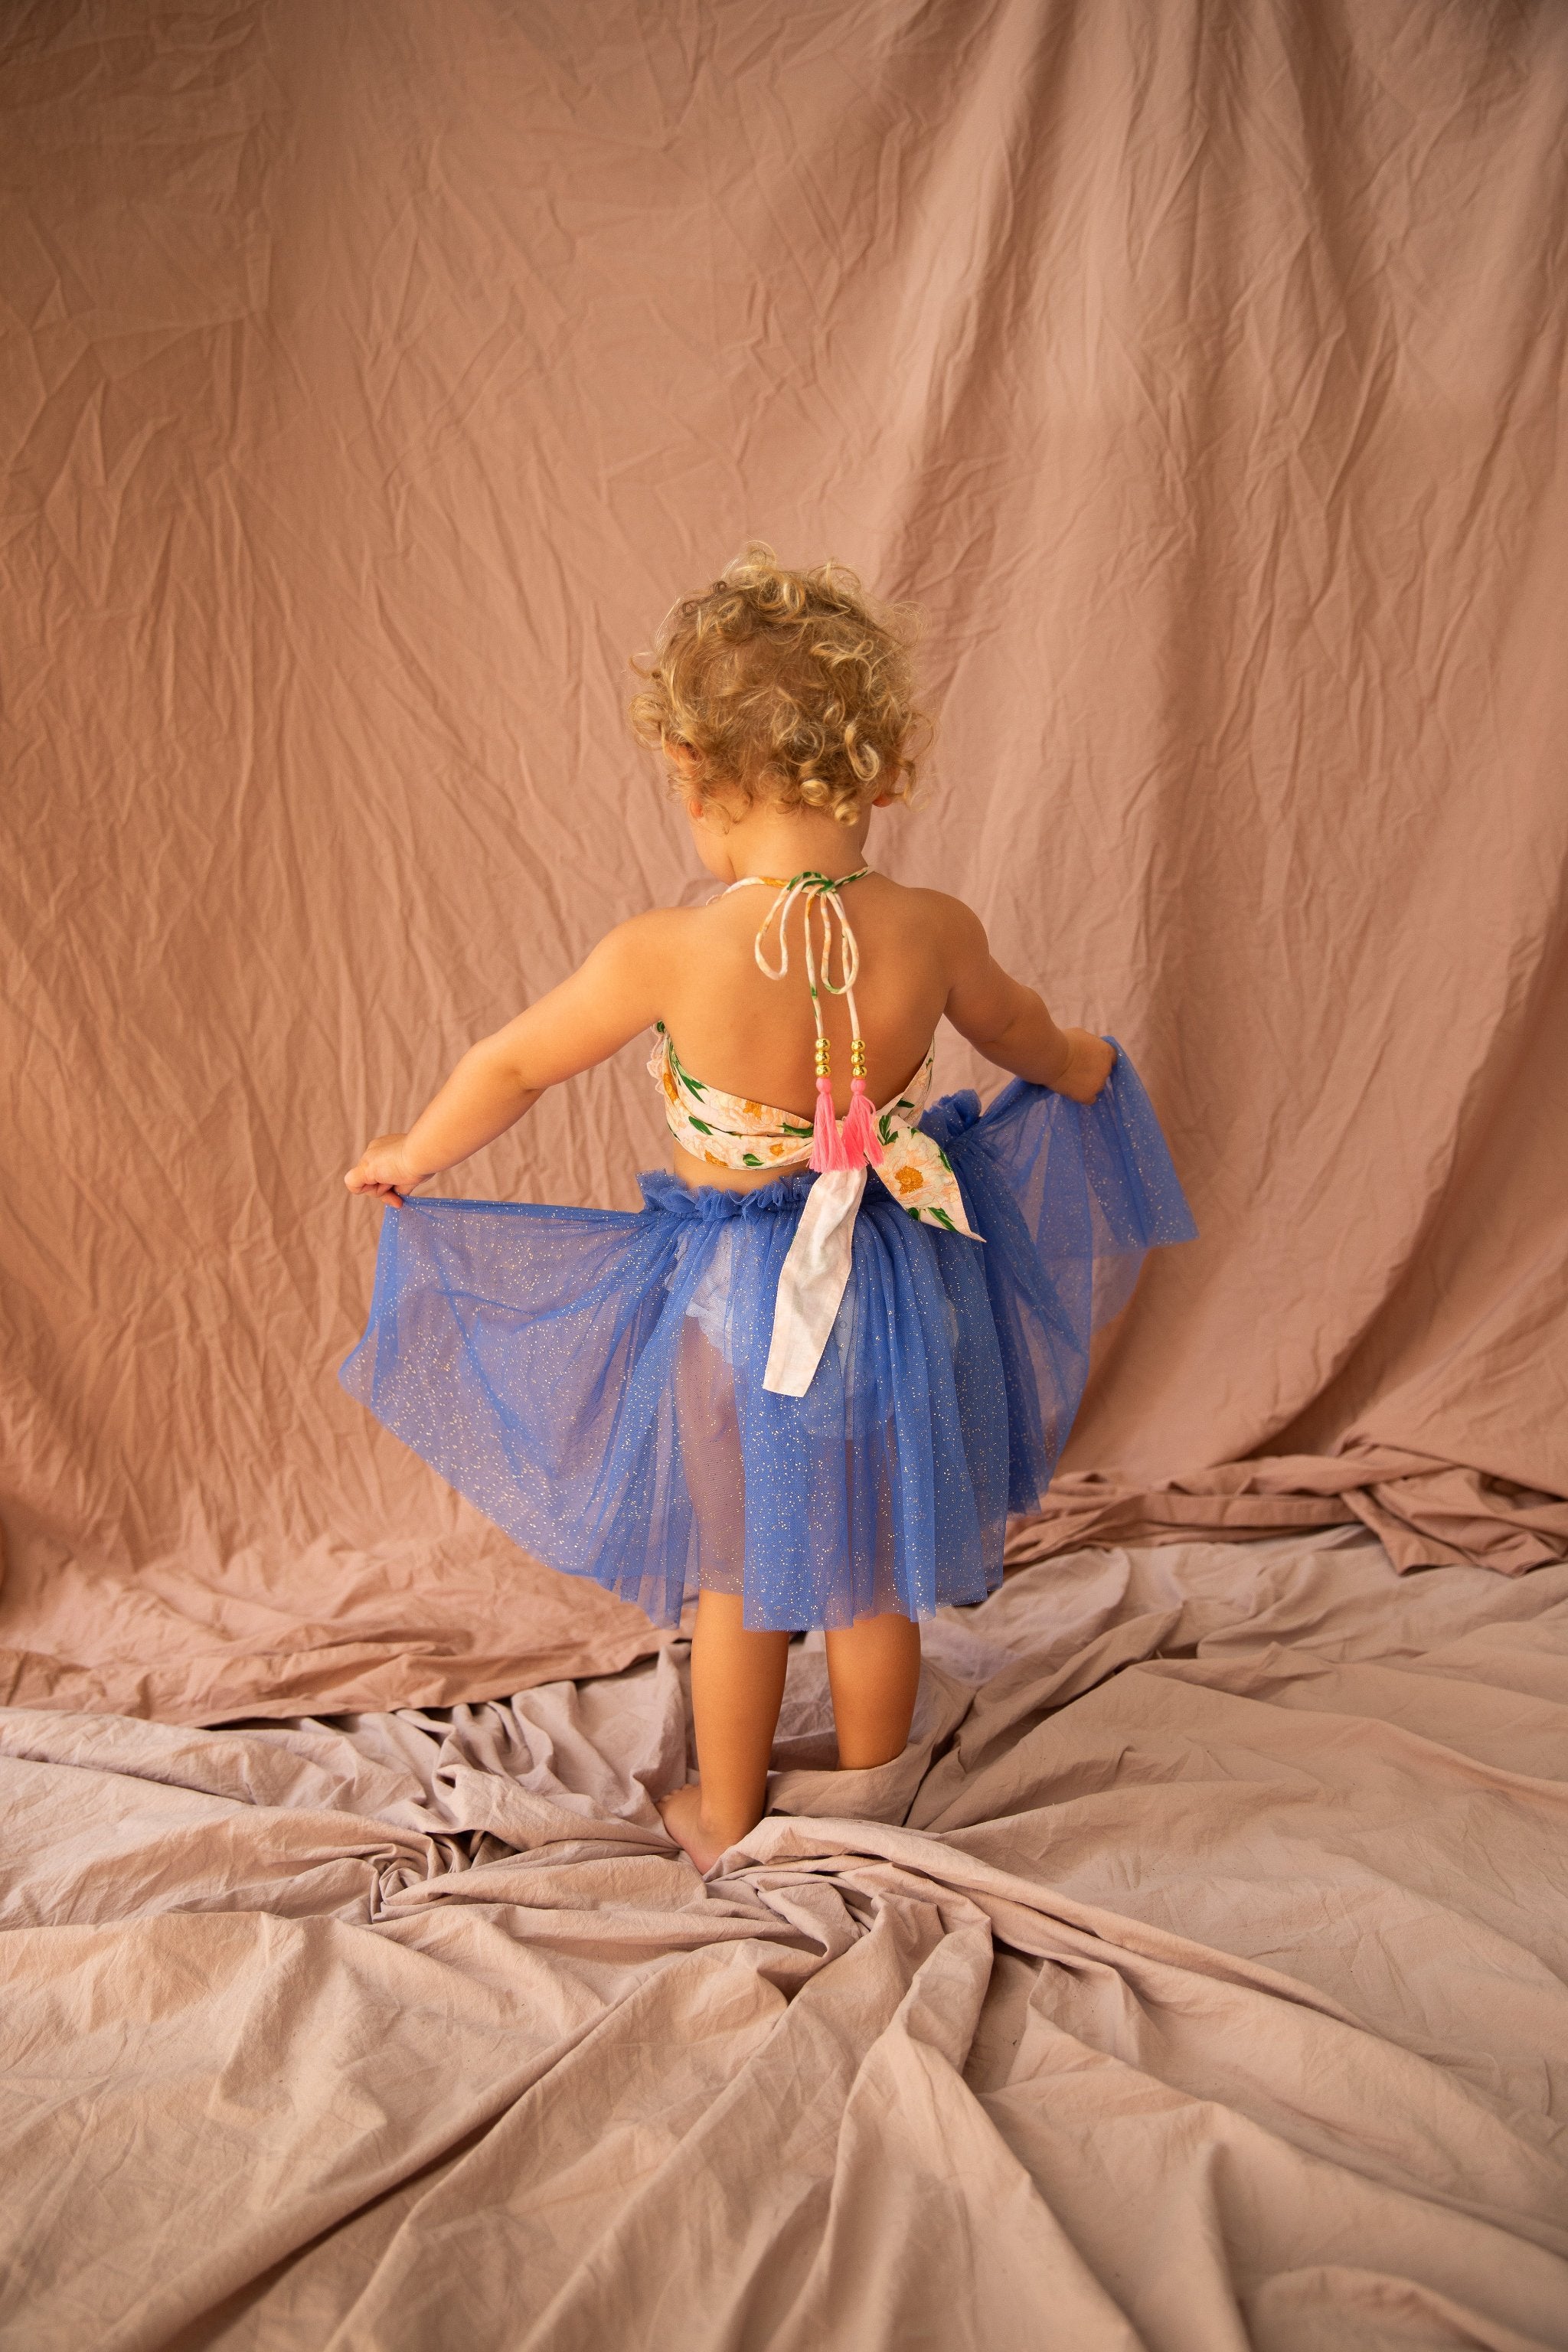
[1009, 1023]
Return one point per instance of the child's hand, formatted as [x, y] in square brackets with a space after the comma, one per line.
[385, 1171]
[1090, 1063]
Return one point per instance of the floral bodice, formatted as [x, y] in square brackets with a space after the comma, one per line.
[730, 1131]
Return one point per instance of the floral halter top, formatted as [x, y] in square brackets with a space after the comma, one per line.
[731, 1131]
[728, 1131]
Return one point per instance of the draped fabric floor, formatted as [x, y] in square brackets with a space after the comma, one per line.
[1195, 1980]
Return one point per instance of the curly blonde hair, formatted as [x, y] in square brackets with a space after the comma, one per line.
[792, 687]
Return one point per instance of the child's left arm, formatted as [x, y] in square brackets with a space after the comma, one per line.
[610, 996]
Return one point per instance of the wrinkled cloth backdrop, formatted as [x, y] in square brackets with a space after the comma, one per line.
[376, 376]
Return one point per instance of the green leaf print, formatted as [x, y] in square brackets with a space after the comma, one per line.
[885, 1127]
[941, 1217]
[693, 1085]
[750, 1159]
[700, 1124]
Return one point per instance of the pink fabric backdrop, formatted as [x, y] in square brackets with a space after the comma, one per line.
[377, 377]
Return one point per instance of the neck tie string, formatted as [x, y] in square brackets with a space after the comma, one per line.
[856, 1143]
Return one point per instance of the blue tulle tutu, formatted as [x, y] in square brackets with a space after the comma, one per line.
[591, 1379]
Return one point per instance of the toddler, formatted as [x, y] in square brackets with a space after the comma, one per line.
[808, 1381]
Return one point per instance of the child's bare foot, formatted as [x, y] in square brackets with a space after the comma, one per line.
[682, 1812]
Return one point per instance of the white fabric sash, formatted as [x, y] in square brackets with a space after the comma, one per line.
[812, 1281]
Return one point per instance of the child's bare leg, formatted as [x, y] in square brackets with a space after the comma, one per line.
[737, 1682]
[874, 1672]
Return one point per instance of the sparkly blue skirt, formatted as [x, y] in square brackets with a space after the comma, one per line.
[591, 1379]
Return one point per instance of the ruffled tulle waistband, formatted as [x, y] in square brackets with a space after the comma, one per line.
[948, 1116]
[711, 1204]
[946, 1120]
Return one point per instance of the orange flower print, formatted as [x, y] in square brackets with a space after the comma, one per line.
[672, 1089]
[910, 1179]
[751, 1110]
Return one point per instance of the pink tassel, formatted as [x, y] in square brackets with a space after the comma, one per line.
[827, 1144]
[858, 1140]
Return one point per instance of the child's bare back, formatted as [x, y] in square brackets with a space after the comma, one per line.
[734, 1026]
[752, 1034]
[922, 955]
